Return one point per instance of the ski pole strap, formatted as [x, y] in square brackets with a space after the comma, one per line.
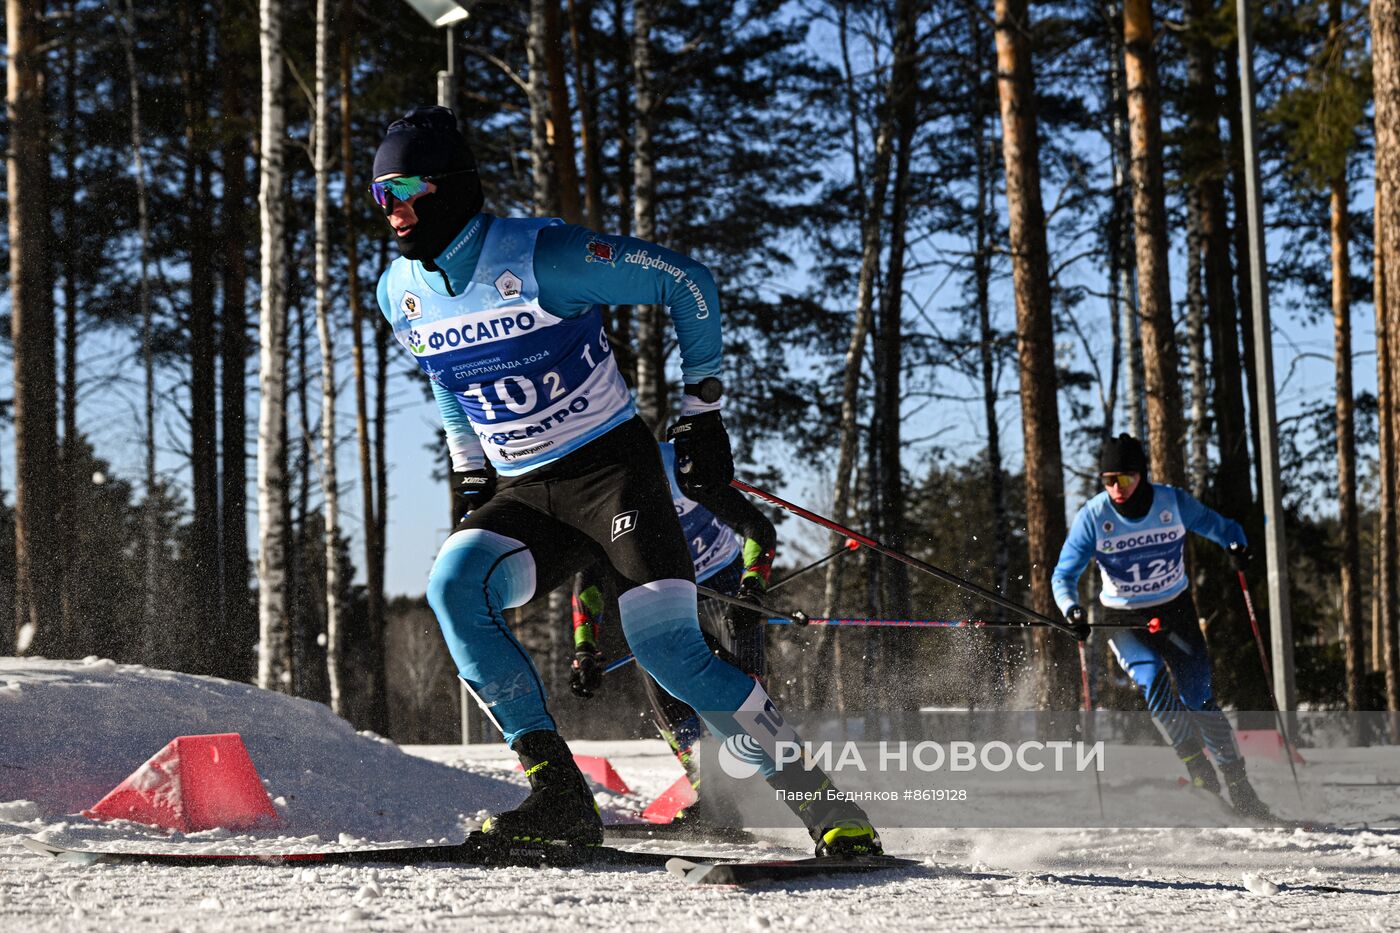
[903, 558]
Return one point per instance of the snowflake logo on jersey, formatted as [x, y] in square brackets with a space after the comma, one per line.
[411, 307]
[600, 251]
[1165, 517]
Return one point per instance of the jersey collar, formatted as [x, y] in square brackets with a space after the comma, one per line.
[458, 260]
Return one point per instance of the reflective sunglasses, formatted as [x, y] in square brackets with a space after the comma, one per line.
[1122, 480]
[405, 187]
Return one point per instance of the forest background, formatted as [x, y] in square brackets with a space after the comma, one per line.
[957, 245]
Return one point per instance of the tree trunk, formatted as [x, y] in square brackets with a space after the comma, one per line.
[156, 640]
[561, 123]
[1196, 348]
[201, 632]
[1244, 292]
[87, 641]
[1035, 340]
[983, 245]
[330, 505]
[32, 332]
[375, 704]
[543, 189]
[581, 31]
[888, 384]
[274, 656]
[1385, 46]
[381, 424]
[1121, 242]
[623, 117]
[872, 201]
[651, 345]
[1346, 447]
[1208, 168]
[1161, 370]
[238, 625]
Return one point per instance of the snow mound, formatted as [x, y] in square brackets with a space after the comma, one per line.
[70, 731]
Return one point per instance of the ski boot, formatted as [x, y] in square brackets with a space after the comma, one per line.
[1199, 770]
[560, 807]
[1242, 796]
[838, 827]
[848, 839]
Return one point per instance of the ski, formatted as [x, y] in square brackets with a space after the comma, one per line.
[759, 872]
[679, 829]
[477, 850]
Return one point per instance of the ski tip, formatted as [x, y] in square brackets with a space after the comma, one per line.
[687, 870]
[40, 847]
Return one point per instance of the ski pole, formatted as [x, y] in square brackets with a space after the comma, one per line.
[1089, 714]
[850, 545]
[911, 623]
[903, 558]
[797, 616]
[933, 623]
[1269, 681]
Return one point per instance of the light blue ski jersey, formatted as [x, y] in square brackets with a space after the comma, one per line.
[508, 330]
[713, 544]
[1142, 563]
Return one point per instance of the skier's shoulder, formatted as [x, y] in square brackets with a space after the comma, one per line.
[1095, 506]
[1168, 496]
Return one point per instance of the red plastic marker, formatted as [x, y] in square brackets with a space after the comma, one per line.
[1154, 626]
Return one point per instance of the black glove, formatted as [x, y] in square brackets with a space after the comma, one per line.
[477, 487]
[739, 617]
[1239, 553]
[1079, 622]
[704, 459]
[586, 673]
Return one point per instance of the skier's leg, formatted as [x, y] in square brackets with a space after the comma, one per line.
[629, 513]
[1141, 660]
[1187, 656]
[495, 561]
[1184, 651]
[500, 556]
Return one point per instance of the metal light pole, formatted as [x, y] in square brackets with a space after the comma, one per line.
[1281, 633]
[443, 14]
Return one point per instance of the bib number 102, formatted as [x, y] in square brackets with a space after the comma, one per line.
[521, 395]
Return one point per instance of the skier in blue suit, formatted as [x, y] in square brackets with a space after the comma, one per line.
[502, 316]
[1136, 531]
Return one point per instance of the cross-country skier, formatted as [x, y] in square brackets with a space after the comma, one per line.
[502, 316]
[1136, 531]
[732, 544]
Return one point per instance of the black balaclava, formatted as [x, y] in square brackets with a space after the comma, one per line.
[425, 141]
[1124, 454]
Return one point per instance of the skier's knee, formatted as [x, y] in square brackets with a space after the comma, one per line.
[660, 624]
[477, 572]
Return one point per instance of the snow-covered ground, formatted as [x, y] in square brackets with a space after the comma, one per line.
[69, 731]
